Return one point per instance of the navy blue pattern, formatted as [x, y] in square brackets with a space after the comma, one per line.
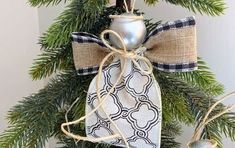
[83, 37]
[124, 113]
[183, 67]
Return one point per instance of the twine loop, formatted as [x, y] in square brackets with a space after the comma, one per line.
[127, 10]
[134, 56]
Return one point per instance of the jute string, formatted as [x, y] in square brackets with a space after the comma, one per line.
[206, 119]
[127, 10]
[132, 8]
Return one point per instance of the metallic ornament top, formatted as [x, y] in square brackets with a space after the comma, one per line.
[133, 31]
[203, 144]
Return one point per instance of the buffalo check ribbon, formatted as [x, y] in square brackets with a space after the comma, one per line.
[170, 47]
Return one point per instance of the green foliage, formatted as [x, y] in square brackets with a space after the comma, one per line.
[60, 58]
[169, 132]
[150, 25]
[210, 7]
[80, 15]
[199, 102]
[175, 104]
[33, 119]
[151, 2]
[51, 61]
[203, 79]
[185, 96]
[45, 2]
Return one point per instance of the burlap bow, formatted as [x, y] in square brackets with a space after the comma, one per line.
[170, 47]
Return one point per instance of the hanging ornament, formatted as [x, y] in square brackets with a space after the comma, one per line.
[196, 142]
[123, 105]
[203, 144]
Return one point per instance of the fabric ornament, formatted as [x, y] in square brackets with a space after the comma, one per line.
[123, 105]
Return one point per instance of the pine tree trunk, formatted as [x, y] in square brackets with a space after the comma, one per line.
[120, 3]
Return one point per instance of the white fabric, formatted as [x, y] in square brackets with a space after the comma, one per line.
[134, 105]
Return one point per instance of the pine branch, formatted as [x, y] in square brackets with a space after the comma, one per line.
[33, 119]
[203, 78]
[150, 25]
[39, 3]
[175, 107]
[79, 16]
[199, 102]
[169, 133]
[57, 59]
[174, 103]
[210, 7]
[223, 125]
[70, 143]
[151, 2]
[52, 61]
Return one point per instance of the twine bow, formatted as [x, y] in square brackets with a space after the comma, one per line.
[133, 55]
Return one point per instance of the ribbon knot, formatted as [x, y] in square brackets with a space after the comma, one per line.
[130, 55]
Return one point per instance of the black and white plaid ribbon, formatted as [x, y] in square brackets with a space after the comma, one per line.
[83, 37]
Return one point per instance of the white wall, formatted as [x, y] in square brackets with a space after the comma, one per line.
[19, 33]
[216, 44]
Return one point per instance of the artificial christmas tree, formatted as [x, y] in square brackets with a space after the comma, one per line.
[185, 96]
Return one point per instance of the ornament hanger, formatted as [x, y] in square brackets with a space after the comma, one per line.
[128, 12]
[207, 119]
[132, 8]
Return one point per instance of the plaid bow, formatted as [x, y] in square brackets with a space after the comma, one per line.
[170, 47]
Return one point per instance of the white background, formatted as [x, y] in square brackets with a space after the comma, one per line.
[21, 25]
[19, 31]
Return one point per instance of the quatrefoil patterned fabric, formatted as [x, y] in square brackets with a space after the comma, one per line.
[134, 106]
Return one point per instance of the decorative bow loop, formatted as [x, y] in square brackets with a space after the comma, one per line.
[170, 47]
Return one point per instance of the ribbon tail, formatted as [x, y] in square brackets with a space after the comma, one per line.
[88, 52]
[172, 46]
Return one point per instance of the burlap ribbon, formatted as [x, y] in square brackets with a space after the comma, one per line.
[170, 47]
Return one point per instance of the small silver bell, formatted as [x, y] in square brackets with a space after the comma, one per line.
[133, 31]
[203, 144]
